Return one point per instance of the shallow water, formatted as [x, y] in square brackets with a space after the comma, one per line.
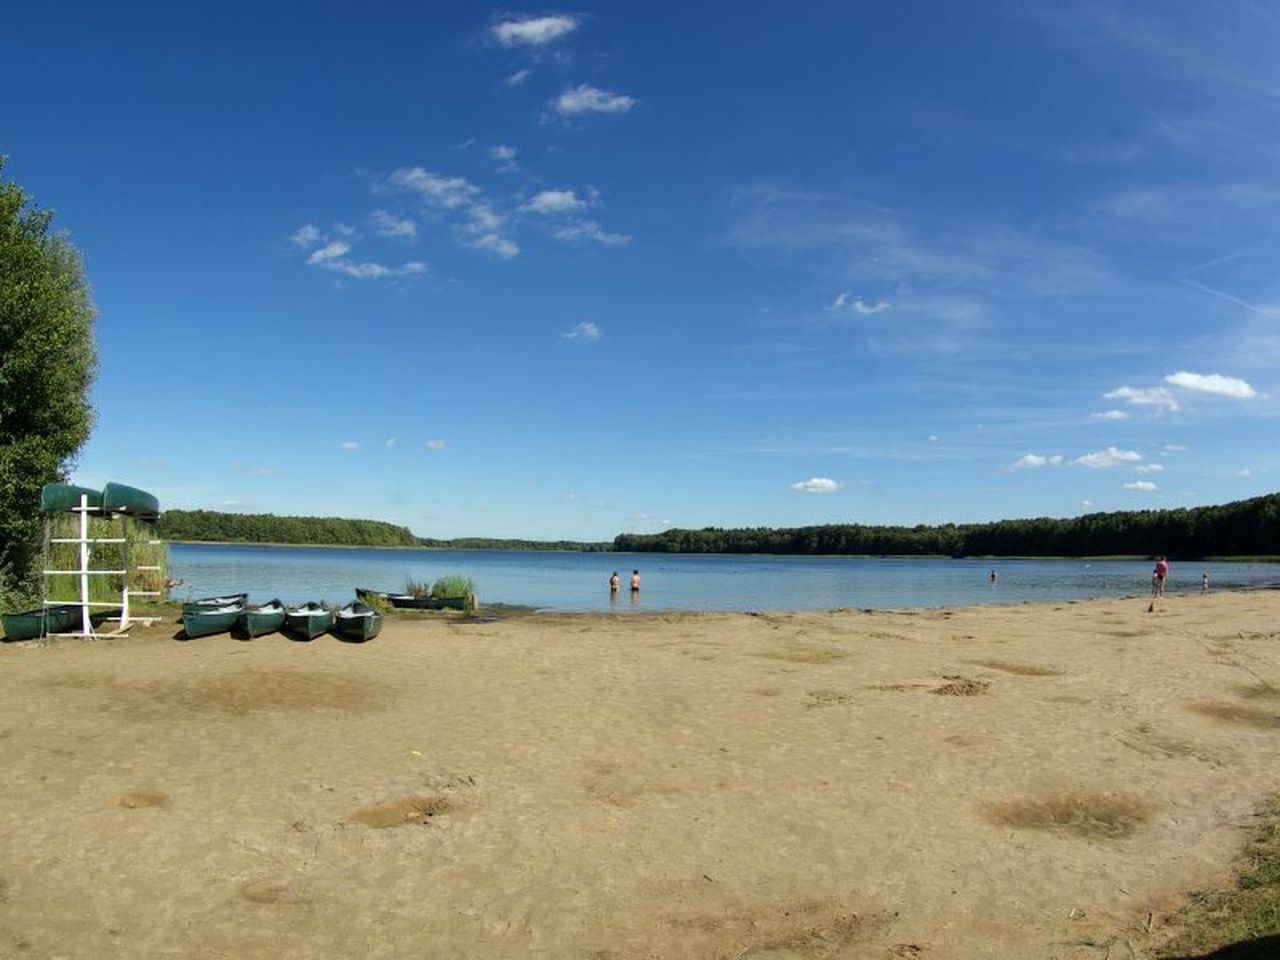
[578, 581]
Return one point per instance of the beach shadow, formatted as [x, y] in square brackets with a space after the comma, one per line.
[1262, 948]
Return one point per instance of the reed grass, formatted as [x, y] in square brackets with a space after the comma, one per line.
[142, 552]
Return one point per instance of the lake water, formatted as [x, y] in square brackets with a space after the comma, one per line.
[578, 581]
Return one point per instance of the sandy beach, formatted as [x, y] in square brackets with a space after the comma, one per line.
[1035, 781]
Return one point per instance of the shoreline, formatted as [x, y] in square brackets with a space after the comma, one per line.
[1035, 779]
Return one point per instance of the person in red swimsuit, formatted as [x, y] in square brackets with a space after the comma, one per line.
[1158, 576]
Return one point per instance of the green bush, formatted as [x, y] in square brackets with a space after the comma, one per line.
[453, 585]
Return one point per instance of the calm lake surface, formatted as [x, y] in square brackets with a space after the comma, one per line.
[578, 581]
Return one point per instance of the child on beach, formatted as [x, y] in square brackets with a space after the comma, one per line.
[1158, 576]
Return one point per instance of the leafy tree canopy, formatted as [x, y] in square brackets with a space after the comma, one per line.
[47, 365]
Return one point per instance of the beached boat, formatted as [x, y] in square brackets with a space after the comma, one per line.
[365, 595]
[309, 620]
[407, 601]
[30, 624]
[60, 497]
[210, 620]
[358, 622]
[267, 618]
[120, 498]
[206, 603]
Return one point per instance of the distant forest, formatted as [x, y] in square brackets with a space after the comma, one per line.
[1247, 528]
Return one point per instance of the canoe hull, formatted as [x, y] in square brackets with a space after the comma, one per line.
[30, 624]
[406, 601]
[258, 621]
[308, 621]
[207, 603]
[205, 623]
[357, 623]
[120, 498]
[61, 497]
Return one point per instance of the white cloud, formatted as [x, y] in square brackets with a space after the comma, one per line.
[1105, 459]
[554, 201]
[330, 251]
[847, 301]
[1148, 468]
[1087, 504]
[519, 77]
[585, 98]
[349, 445]
[434, 444]
[1246, 472]
[1110, 415]
[389, 225]
[934, 438]
[306, 236]
[589, 230]
[534, 31]
[1149, 397]
[1143, 486]
[447, 192]
[1034, 460]
[1212, 383]
[390, 442]
[505, 156]
[1175, 448]
[587, 332]
[816, 485]
[493, 243]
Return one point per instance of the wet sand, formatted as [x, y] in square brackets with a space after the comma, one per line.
[1039, 781]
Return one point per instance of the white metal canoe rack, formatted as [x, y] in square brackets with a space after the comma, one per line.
[84, 572]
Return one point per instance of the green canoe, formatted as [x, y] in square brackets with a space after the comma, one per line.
[207, 603]
[60, 497]
[62, 618]
[358, 622]
[268, 618]
[118, 498]
[212, 620]
[309, 620]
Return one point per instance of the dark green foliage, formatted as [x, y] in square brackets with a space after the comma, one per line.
[490, 543]
[47, 364]
[207, 525]
[1244, 528]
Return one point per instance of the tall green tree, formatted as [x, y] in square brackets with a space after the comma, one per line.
[47, 365]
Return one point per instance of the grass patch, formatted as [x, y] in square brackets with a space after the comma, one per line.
[453, 585]
[1249, 911]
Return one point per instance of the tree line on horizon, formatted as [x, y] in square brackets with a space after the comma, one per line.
[1243, 528]
[1240, 529]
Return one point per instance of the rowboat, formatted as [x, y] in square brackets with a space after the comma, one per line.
[62, 618]
[358, 622]
[364, 594]
[210, 620]
[267, 618]
[408, 601]
[120, 498]
[60, 497]
[226, 600]
[309, 620]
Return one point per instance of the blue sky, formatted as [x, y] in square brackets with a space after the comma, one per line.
[573, 271]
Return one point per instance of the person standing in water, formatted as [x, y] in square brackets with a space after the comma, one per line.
[615, 582]
[635, 581]
[1158, 576]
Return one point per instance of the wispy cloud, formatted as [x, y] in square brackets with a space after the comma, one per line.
[1212, 383]
[434, 444]
[1142, 486]
[349, 445]
[389, 225]
[534, 31]
[848, 302]
[1108, 458]
[1032, 461]
[1157, 397]
[519, 77]
[816, 485]
[586, 99]
[330, 254]
[505, 157]
[553, 202]
[579, 230]
[1110, 415]
[585, 332]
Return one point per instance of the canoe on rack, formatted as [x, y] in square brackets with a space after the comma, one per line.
[61, 497]
[119, 498]
[30, 624]
[267, 618]
[357, 622]
[309, 620]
